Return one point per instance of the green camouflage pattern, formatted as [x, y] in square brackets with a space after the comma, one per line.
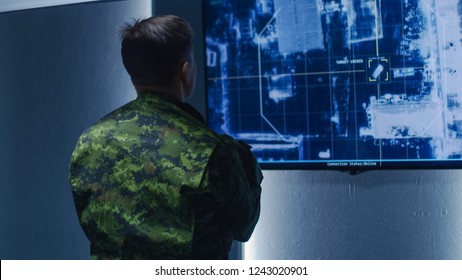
[143, 188]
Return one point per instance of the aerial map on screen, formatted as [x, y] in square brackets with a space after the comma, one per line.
[340, 83]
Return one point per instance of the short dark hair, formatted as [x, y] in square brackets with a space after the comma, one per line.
[154, 48]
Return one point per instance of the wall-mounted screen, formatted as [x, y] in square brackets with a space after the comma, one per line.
[344, 84]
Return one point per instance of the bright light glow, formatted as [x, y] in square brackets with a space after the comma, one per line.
[15, 5]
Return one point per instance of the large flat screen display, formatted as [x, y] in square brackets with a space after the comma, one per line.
[344, 84]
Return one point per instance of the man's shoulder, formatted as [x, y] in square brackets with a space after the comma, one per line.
[110, 120]
[232, 156]
[229, 145]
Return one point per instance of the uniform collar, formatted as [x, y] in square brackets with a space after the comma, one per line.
[165, 97]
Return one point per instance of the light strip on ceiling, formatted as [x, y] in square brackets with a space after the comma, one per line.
[15, 5]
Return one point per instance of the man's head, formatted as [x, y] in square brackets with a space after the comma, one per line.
[157, 53]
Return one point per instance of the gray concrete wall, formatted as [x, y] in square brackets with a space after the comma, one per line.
[373, 215]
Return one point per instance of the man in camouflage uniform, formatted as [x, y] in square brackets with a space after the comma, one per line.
[150, 180]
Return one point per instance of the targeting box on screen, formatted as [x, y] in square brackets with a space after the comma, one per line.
[350, 84]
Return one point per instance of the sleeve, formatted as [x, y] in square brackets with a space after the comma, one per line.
[82, 189]
[234, 178]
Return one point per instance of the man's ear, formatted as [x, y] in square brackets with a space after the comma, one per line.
[188, 77]
[186, 72]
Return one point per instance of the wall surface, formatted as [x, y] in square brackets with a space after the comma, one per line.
[373, 215]
[331, 215]
[60, 71]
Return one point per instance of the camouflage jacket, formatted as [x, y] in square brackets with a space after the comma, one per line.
[151, 181]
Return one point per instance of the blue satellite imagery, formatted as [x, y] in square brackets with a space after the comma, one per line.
[337, 83]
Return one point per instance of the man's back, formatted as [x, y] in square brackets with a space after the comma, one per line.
[145, 184]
